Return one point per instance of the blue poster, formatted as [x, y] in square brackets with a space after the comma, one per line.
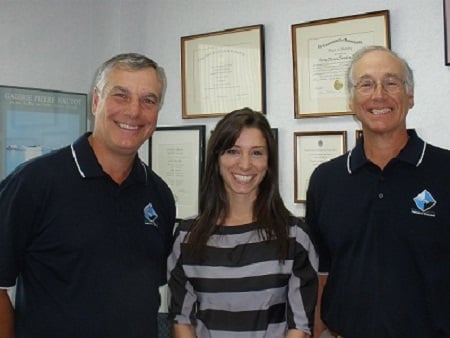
[36, 121]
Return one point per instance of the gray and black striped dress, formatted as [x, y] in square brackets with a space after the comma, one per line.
[241, 289]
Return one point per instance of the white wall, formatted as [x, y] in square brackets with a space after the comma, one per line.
[57, 44]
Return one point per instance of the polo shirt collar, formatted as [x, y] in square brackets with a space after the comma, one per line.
[88, 166]
[412, 153]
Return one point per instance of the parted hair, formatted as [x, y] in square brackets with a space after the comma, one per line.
[269, 211]
[407, 71]
[129, 61]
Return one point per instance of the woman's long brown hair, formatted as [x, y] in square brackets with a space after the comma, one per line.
[271, 214]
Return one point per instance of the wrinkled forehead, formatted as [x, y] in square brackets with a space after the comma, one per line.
[144, 79]
[378, 64]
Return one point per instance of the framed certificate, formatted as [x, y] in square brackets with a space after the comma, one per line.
[322, 51]
[447, 31]
[310, 150]
[177, 155]
[36, 121]
[223, 71]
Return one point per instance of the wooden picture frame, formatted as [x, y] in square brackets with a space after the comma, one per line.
[36, 121]
[177, 154]
[322, 51]
[223, 71]
[310, 150]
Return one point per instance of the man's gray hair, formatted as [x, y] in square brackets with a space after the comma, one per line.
[407, 71]
[129, 61]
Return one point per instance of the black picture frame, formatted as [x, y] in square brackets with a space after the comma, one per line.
[446, 11]
[177, 154]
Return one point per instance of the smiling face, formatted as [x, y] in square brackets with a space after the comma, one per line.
[244, 165]
[381, 112]
[126, 111]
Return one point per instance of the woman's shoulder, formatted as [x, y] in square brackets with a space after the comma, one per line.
[185, 224]
[297, 221]
[300, 223]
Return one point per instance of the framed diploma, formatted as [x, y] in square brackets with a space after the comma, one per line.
[312, 149]
[223, 71]
[36, 121]
[177, 155]
[447, 31]
[322, 51]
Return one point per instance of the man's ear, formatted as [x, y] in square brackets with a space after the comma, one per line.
[95, 99]
[410, 101]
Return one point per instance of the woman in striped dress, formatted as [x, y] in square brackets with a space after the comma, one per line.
[244, 267]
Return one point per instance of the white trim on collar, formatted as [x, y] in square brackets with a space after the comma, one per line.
[422, 155]
[348, 162]
[419, 162]
[145, 171]
[74, 155]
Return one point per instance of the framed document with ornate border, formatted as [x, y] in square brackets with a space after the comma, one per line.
[36, 121]
[310, 150]
[223, 71]
[322, 51]
[177, 155]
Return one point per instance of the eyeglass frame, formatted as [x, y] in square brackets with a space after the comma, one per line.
[407, 71]
[382, 82]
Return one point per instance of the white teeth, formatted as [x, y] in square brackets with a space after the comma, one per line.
[127, 126]
[242, 178]
[380, 111]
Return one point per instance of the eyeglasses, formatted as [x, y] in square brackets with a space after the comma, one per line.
[391, 85]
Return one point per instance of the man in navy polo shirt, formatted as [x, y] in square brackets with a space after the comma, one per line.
[85, 230]
[381, 214]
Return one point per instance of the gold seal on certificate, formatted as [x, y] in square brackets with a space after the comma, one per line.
[338, 84]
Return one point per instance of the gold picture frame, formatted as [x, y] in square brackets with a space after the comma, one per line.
[322, 51]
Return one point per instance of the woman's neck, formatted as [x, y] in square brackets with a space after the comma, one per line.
[240, 211]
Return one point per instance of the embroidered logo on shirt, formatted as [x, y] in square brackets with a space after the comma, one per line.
[150, 215]
[424, 202]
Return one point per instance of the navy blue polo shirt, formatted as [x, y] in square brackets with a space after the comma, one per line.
[89, 254]
[384, 240]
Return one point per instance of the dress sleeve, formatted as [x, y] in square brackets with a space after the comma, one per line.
[182, 297]
[303, 283]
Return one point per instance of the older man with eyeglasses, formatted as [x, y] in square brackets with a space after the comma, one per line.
[381, 214]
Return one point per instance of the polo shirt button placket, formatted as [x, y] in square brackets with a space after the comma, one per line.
[117, 203]
[380, 194]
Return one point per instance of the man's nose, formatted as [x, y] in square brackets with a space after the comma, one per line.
[133, 107]
[379, 89]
